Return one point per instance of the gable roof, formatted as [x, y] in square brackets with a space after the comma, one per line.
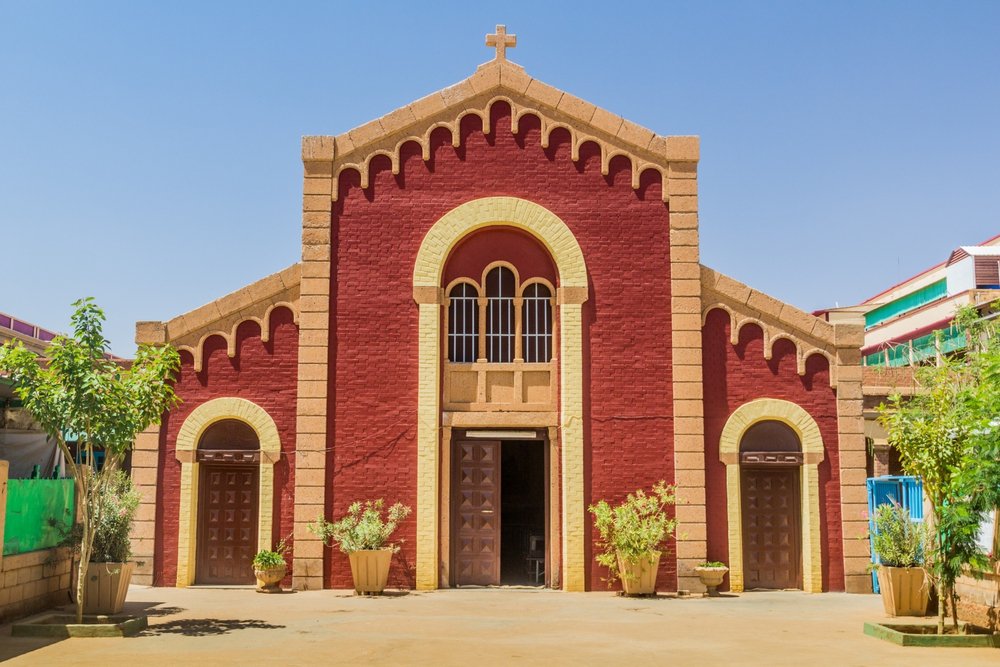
[495, 81]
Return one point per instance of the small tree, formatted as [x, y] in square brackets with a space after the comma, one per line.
[935, 432]
[76, 389]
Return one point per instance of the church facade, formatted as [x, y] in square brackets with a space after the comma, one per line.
[500, 317]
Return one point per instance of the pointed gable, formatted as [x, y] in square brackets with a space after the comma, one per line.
[504, 81]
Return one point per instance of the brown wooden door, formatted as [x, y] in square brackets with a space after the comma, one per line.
[476, 513]
[227, 524]
[772, 537]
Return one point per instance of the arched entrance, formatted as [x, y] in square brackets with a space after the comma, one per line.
[779, 460]
[228, 503]
[770, 457]
[472, 386]
[210, 459]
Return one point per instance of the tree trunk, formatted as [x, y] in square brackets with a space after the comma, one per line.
[953, 601]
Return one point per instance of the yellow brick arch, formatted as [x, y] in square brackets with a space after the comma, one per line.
[533, 218]
[428, 268]
[188, 436]
[745, 416]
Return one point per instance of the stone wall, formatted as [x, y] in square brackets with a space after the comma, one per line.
[979, 600]
[33, 582]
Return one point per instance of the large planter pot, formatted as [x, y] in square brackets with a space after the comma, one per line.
[269, 579]
[904, 590]
[711, 578]
[639, 578]
[106, 587]
[370, 570]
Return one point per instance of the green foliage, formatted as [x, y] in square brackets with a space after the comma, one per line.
[366, 526]
[946, 433]
[105, 404]
[898, 540]
[267, 560]
[636, 528]
[119, 502]
[712, 563]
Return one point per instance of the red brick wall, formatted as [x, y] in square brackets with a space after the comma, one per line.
[737, 374]
[493, 244]
[265, 373]
[624, 235]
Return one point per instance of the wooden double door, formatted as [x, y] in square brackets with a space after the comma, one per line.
[477, 511]
[227, 523]
[772, 527]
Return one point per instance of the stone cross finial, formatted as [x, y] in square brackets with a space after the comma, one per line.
[500, 40]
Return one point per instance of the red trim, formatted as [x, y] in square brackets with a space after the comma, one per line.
[908, 336]
[924, 272]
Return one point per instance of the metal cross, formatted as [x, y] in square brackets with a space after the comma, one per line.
[500, 40]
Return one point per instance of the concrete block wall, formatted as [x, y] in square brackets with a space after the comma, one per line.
[34, 582]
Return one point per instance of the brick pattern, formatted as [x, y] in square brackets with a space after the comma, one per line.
[852, 458]
[623, 233]
[145, 476]
[737, 374]
[689, 424]
[979, 600]
[314, 391]
[264, 373]
[33, 582]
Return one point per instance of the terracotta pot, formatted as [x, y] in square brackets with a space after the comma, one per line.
[370, 570]
[904, 590]
[639, 578]
[711, 578]
[269, 579]
[106, 587]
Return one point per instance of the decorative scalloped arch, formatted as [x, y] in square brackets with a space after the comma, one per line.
[802, 351]
[197, 351]
[805, 427]
[188, 436]
[362, 163]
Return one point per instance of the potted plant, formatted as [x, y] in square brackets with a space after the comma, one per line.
[363, 534]
[899, 544]
[711, 574]
[110, 569]
[270, 567]
[633, 534]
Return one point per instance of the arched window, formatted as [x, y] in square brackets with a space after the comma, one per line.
[230, 434]
[537, 324]
[463, 323]
[770, 436]
[501, 286]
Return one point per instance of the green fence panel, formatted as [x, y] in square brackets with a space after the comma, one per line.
[39, 514]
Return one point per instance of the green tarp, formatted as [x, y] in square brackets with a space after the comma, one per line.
[39, 514]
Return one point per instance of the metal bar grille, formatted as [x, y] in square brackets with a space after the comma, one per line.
[500, 315]
[537, 324]
[463, 324]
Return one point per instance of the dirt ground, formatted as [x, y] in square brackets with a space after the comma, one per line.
[198, 626]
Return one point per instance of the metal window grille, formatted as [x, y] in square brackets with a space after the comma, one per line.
[536, 339]
[500, 286]
[463, 323]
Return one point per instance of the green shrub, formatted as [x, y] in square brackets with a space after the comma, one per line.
[268, 560]
[366, 527]
[712, 563]
[118, 503]
[898, 541]
[634, 529]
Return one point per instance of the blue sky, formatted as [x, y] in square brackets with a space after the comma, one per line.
[149, 152]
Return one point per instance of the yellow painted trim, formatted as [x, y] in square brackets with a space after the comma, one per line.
[438, 243]
[190, 433]
[813, 452]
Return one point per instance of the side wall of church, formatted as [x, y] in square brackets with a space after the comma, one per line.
[264, 373]
[376, 232]
[737, 374]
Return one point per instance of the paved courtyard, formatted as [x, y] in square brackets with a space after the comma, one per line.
[489, 627]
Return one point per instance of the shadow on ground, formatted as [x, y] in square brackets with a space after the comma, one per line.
[206, 627]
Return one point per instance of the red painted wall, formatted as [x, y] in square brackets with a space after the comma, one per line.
[737, 374]
[478, 250]
[624, 235]
[265, 373]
